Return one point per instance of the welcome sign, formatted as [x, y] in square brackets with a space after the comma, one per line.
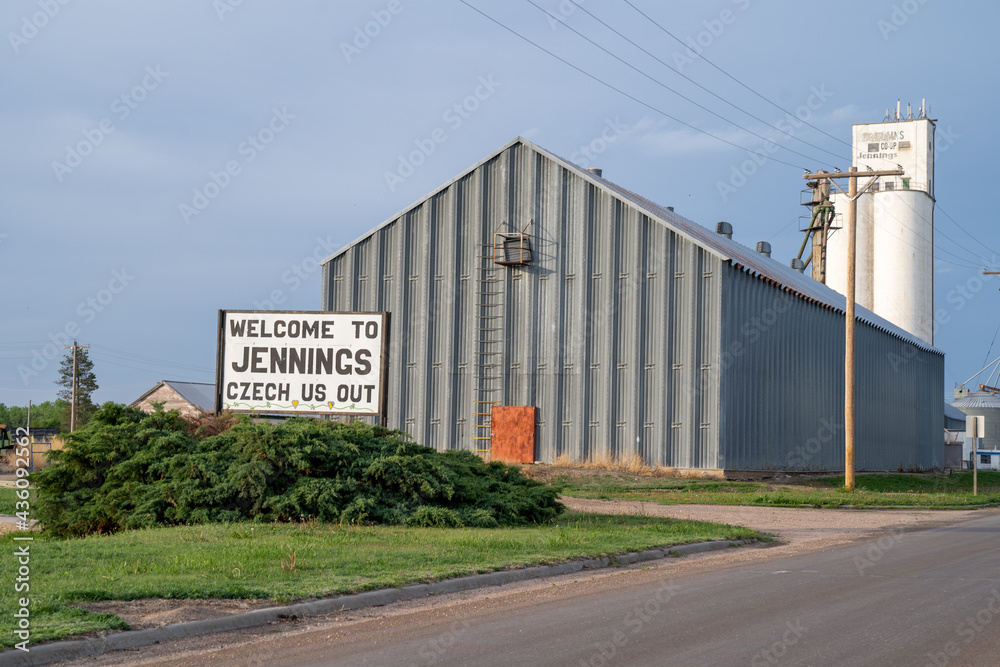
[301, 362]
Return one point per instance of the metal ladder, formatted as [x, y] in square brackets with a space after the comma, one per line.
[488, 351]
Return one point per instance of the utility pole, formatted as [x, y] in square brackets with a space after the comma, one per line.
[852, 246]
[975, 460]
[72, 406]
[820, 222]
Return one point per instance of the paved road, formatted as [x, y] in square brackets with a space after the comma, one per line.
[929, 597]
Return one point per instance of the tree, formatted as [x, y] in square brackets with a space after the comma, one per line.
[86, 384]
[43, 415]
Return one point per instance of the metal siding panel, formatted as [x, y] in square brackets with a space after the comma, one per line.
[443, 308]
[326, 276]
[359, 275]
[585, 328]
[550, 222]
[561, 317]
[604, 342]
[654, 339]
[630, 360]
[405, 325]
[430, 357]
[683, 381]
[467, 206]
[782, 388]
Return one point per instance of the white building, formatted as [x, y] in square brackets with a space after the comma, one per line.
[895, 225]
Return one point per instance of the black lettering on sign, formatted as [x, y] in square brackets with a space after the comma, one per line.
[355, 393]
[239, 368]
[313, 392]
[258, 365]
[279, 360]
[364, 367]
[343, 369]
[324, 361]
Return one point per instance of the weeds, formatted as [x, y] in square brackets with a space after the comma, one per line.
[288, 561]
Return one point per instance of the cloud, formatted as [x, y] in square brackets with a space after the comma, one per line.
[662, 138]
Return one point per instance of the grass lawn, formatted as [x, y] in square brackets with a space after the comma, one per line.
[872, 490]
[7, 500]
[285, 562]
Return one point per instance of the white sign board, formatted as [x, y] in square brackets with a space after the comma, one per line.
[301, 362]
[977, 422]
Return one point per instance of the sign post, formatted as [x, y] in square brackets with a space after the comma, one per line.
[975, 425]
[301, 362]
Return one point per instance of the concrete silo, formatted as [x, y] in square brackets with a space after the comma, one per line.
[895, 226]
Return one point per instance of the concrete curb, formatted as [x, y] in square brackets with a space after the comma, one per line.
[70, 650]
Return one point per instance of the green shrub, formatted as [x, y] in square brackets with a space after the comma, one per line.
[127, 469]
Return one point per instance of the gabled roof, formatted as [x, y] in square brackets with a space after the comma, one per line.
[199, 394]
[740, 256]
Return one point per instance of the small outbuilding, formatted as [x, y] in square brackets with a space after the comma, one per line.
[539, 310]
[189, 398]
[986, 404]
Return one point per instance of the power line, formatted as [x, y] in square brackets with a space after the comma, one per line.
[774, 104]
[780, 231]
[619, 90]
[973, 237]
[962, 261]
[940, 232]
[686, 77]
[147, 368]
[128, 356]
[666, 87]
[934, 243]
[991, 343]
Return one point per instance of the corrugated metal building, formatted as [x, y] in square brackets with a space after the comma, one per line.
[631, 329]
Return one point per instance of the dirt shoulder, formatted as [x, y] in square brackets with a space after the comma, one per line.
[797, 529]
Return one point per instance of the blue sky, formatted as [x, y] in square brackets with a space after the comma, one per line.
[164, 160]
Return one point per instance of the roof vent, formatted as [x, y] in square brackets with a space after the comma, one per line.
[670, 208]
[725, 229]
[596, 171]
[798, 265]
[764, 248]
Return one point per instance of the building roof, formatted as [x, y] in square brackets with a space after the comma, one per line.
[740, 256]
[199, 394]
[978, 399]
[953, 412]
